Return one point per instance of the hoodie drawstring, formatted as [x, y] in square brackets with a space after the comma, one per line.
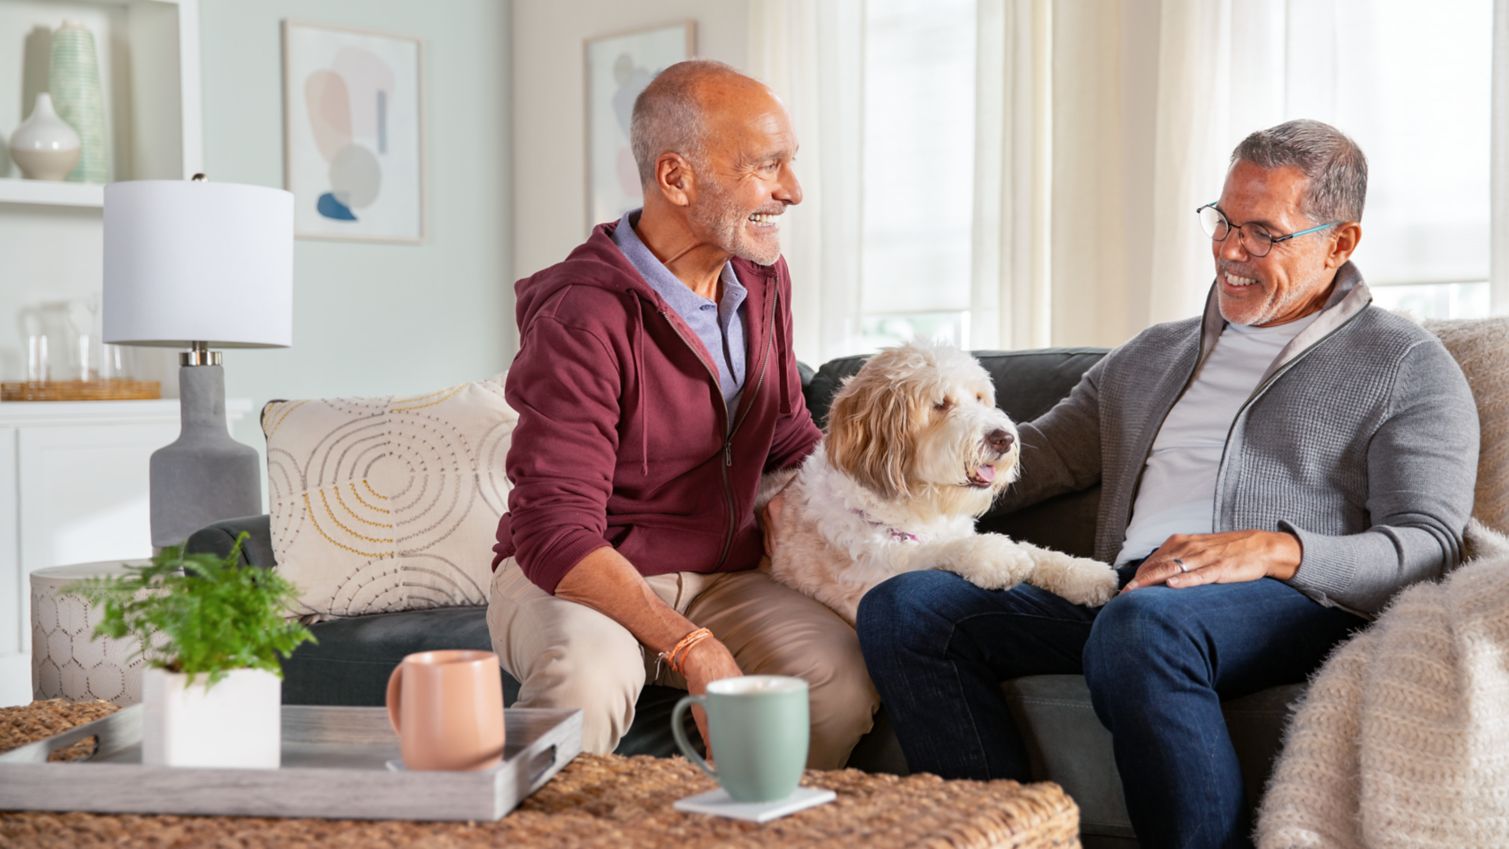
[643, 378]
[780, 349]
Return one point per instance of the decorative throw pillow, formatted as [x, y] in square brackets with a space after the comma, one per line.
[383, 504]
[1481, 348]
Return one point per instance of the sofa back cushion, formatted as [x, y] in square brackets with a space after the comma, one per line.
[1481, 348]
[388, 503]
[1028, 384]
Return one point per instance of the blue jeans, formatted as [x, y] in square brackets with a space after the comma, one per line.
[1158, 662]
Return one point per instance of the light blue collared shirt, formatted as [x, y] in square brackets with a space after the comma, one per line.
[720, 325]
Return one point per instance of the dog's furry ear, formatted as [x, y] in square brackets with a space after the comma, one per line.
[870, 428]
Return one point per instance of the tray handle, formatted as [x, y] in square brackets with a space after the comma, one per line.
[540, 764]
[39, 751]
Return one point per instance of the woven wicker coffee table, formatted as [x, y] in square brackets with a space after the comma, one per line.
[596, 801]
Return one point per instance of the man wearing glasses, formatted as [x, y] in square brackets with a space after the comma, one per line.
[1271, 475]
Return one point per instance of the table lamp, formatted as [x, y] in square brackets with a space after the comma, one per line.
[193, 264]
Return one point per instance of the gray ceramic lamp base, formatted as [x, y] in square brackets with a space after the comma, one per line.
[203, 476]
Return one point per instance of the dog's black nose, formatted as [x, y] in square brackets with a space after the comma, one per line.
[1000, 440]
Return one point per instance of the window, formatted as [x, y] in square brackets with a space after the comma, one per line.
[1413, 87]
[919, 143]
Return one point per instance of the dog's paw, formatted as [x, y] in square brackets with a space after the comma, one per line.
[1089, 582]
[989, 561]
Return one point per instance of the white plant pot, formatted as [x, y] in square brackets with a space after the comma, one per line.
[236, 723]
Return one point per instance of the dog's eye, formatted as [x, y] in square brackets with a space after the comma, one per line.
[942, 406]
[980, 396]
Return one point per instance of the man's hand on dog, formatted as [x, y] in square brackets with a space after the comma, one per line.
[1190, 560]
[769, 517]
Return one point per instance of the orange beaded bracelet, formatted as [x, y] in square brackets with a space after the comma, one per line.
[675, 656]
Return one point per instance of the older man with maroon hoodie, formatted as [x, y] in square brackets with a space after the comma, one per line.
[655, 385]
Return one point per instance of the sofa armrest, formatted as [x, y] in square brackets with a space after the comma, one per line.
[218, 538]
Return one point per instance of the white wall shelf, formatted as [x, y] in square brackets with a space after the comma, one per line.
[48, 193]
[149, 68]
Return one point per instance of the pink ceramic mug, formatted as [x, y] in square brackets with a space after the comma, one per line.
[447, 707]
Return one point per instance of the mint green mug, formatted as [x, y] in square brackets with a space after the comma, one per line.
[758, 725]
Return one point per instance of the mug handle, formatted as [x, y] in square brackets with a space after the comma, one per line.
[678, 730]
[392, 699]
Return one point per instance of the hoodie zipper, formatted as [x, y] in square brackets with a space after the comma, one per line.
[731, 429]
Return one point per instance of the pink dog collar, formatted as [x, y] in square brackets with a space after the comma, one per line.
[893, 533]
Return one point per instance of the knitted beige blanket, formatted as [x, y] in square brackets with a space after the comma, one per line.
[1403, 737]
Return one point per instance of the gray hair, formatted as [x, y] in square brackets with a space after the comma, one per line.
[668, 115]
[1334, 164]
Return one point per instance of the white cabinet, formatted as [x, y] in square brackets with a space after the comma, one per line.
[73, 488]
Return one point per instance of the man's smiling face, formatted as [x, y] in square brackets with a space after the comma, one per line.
[746, 181]
[1292, 281]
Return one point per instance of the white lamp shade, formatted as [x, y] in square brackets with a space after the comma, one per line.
[198, 262]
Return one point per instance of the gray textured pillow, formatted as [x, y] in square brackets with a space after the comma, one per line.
[383, 504]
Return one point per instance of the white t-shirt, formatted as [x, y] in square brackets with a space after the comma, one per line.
[1178, 489]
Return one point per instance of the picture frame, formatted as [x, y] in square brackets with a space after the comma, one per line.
[353, 133]
[616, 68]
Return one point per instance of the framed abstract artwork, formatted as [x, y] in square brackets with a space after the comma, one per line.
[353, 135]
[618, 67]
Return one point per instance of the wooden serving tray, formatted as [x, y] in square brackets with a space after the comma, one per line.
[335, 766]
[80, 390]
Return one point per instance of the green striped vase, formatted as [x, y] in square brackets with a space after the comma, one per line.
[74, 82]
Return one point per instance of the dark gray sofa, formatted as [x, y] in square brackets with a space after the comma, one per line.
[351, 662]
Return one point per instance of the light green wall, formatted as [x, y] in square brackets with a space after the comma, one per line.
[376, 319]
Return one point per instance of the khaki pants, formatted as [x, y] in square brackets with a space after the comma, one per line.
[566, 654]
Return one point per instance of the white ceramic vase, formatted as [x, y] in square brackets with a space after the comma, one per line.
[236, 723]
[45, 146]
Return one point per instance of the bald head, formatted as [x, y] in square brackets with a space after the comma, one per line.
[677, 110]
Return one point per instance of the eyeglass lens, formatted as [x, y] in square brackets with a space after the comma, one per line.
[1255, 240]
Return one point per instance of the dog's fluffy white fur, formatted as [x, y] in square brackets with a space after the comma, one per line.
[915, 450]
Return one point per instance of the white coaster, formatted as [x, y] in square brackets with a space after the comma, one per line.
[717, 803]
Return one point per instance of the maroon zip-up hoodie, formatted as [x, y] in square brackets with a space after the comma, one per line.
[623, 438]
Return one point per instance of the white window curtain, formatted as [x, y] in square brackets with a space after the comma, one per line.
[1411, 86]
[815, 54]
[1499, 170]
[812, 55]
[1099, 127]
[1011, 279]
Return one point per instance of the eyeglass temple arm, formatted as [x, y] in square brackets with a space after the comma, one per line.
[1316, 228]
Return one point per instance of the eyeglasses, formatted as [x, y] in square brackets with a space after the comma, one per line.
[1255, 238]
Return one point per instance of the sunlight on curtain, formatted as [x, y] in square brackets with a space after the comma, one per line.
[919, 130]
[811, 55]
[1019, 173]
[1413, 89]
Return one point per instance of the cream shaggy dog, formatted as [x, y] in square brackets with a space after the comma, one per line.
[915, 450]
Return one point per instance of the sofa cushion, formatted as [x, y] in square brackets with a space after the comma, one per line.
[1481, 348]
[389, 503]
[1067, 744]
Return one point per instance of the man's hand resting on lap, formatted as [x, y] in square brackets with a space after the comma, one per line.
[1225, 558]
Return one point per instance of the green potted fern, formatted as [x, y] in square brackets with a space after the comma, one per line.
[212, 634]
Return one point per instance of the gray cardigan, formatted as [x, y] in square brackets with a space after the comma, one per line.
[1361, 439]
